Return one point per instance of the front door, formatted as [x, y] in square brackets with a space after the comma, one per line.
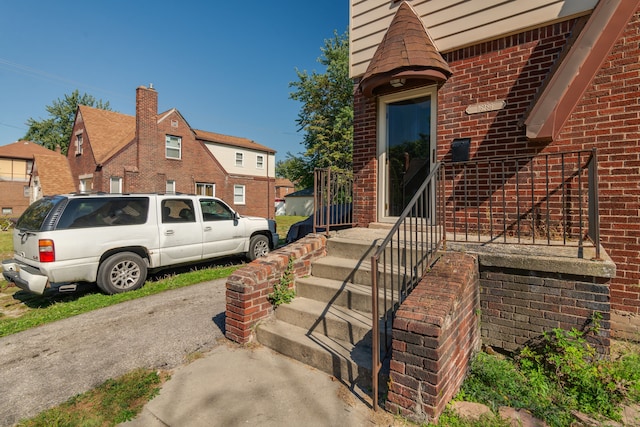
[406, 148]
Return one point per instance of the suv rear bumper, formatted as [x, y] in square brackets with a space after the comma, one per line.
[24, 276]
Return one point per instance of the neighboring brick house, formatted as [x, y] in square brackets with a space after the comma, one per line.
[160, 152]
[17, 162]
[514, 78]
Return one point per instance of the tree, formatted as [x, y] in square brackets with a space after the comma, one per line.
[326, 115]
[56, 130]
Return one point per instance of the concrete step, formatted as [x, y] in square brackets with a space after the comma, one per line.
[331, 320]
[348, 362]
[349, 271]
[335, 292]
[351, 248]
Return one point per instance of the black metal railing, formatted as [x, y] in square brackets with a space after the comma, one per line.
[549, 199]
[410, 248]
[332, 200]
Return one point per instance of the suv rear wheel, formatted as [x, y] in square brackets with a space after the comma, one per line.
[121, 272]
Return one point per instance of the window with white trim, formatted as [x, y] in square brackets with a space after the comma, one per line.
[86, 184]
[170, 187]
[238, 194]
[78, 144]
[173, 146]
[260, 161]
[239, 159]
[115, 184]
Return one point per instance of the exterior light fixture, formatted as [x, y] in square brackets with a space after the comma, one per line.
[397, 82]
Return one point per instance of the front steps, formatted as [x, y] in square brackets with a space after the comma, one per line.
[328, 324]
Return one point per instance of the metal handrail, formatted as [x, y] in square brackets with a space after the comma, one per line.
[410, 248]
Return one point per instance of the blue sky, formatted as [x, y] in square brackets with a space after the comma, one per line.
[226, 66]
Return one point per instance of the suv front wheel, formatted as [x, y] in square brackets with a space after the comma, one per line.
[121, 272]
[258, 247]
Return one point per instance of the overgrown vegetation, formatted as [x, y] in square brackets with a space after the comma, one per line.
[560, 373]
[282, 292]
[111, 403]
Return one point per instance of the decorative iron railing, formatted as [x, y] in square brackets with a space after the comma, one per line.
[549, 199]
[332, 200]
[403, 257]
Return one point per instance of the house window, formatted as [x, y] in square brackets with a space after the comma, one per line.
[173, 147]
[7, 211]
[170, 187]
[115, 184]
[78, 144]
[260, 161]
[239, 159]
[238, 194]
[86, 184]
[205, 189]
[26, 191]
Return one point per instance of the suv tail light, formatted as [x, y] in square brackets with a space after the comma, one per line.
[46, 250]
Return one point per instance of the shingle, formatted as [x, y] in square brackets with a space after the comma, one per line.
[405, 46]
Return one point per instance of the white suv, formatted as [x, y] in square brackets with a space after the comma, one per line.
[114, 240]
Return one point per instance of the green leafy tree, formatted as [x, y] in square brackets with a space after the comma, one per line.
[326, 115]
[56, 130]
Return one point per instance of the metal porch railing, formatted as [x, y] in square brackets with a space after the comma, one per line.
[401, 260]
[332, 200]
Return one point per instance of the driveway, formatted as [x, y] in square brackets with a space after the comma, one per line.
[45, 366]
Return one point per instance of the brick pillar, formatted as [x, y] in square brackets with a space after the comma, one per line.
[365, 147]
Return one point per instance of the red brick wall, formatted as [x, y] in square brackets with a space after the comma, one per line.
[249, 287]
[12, 196]
[435, 334]
[364, 161]
[513, 69]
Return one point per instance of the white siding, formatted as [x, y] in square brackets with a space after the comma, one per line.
[226, 155]
[454, 23]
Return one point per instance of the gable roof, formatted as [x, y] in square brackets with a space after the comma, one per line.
[231, 140]
[108, 131]
[405, 52]
[23, 150]
[54, 173]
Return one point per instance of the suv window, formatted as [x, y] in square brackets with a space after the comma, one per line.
[178, 210]
[213, 210]
[35, 215]
[104, 212]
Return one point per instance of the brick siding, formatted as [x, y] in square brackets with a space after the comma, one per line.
[513, 69]
[249, 287]
[435, 334]
[518, 306]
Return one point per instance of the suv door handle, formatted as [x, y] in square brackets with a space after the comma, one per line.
[207, 229]
[168, 233]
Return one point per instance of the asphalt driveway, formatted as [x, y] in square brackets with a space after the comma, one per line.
[45, 366]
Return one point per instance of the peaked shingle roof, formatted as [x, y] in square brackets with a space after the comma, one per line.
[108, 131]
[231, 140]
[23, 150]
[406, 52]
[54, 173]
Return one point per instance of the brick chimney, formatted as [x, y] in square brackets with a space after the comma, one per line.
[147, 129]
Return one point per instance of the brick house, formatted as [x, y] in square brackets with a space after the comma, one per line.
[505, 79]
[18, 163]
[160, 152]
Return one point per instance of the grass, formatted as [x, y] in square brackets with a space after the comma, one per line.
[49, 309]
[109, 404]
[284, 223]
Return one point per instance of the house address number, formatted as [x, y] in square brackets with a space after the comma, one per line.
[485, 107]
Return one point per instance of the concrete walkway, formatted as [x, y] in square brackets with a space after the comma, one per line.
[233, 386]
